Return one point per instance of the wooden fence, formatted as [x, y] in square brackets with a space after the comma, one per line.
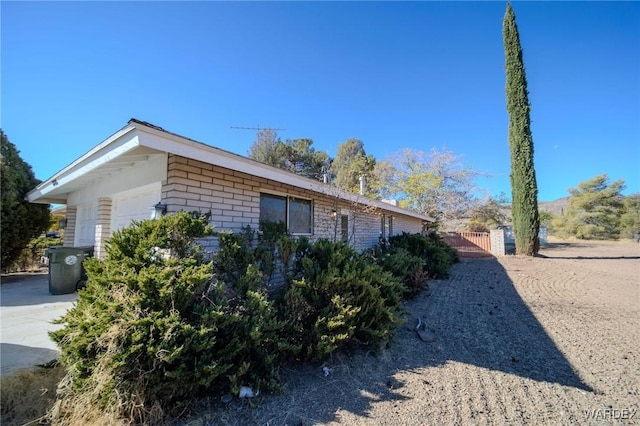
[469, 244]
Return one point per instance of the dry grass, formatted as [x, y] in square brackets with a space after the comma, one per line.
[75, 409]
[28, 394]
[42, 395]
[99, 401]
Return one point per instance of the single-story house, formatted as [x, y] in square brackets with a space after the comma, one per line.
[142, 165]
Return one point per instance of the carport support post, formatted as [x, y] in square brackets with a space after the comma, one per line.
[70, 229]
[103, 226]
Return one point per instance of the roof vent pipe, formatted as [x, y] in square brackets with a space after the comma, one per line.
[362, 184]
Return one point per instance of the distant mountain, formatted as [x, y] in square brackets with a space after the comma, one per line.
[555, 206]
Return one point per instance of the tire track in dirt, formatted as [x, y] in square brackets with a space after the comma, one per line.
[597, 331]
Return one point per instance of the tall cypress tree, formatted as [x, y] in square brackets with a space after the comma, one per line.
[524, 189]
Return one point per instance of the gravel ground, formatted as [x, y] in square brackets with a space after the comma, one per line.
[549, 340]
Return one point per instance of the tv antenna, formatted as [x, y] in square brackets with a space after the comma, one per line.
[256, 128]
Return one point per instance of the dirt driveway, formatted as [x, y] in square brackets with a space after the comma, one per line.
[551, 340]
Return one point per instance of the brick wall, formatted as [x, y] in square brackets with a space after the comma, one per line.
[234, 201]
[406, 224]
[70, 228]
[103, 226]
[498, 247]
[366, 229]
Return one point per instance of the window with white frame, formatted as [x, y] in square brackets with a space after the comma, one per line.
[296, 213]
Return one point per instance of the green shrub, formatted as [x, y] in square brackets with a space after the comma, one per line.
[157, 325]
[153, 328]
[437, 255]
[272, 251]
[30, 257]
[233, 257]
[401, 264]
[341, 298]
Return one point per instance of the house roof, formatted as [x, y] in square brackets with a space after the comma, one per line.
[138, 141]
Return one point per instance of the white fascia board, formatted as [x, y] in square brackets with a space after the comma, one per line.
[178, 145]
[126, 129]
[97, 162]
[88, 162]
[38, 197]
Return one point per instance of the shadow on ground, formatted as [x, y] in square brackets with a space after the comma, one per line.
[478, 318]
[484, 322]
[12, 355]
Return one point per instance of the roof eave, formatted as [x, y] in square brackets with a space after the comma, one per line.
[247, 165]
[80, 166]
[49, 190]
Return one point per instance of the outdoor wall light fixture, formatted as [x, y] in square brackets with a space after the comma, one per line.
[334, 213]
[159, 210]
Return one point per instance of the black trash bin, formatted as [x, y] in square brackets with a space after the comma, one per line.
[66, 273]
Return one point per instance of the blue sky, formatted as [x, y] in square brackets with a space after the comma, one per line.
[396, 75]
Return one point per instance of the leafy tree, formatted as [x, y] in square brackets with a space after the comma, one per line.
[559, 225]
[54, 222]
[438, 185]
[630, 219]
[524, 188]
[350, 163]
[302, 159]
[594, 210]
[264, 147]
[488, 214]
[293, 155]
[546, 219]
[21, 220]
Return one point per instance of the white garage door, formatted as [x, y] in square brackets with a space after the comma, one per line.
[85, 232]
[133, 205]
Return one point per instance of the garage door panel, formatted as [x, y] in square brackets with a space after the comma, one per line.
[85, 232]
[138, 206]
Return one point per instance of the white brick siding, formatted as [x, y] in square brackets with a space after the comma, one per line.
[233, 198]
[70, 228]
[103, 226]
[406, 224]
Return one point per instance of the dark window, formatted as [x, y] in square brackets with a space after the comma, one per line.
[296, 213]
[386, 226]
[300, 217]
[345, 228]
[273, 208]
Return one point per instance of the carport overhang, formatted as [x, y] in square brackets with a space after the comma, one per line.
[123, 150]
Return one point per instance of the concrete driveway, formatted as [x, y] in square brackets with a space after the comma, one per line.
[26, 314]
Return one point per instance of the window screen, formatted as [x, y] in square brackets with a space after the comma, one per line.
[300, 218]
[273, 208]
[296, 213]
[344, 228]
